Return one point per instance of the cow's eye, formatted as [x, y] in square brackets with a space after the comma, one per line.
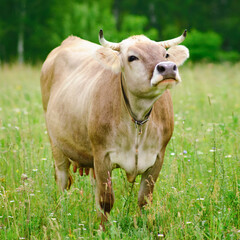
[167, 55]
[132, 58]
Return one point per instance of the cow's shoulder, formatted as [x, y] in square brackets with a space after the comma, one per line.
[105, 111]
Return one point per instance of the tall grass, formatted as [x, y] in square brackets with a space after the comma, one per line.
[196, 195]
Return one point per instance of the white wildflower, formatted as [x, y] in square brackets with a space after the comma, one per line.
[24, 176]
[17, 110]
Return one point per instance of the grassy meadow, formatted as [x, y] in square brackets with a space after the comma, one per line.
[196, 195]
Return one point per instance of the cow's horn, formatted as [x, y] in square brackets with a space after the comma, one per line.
[174, 41]
[105, 43]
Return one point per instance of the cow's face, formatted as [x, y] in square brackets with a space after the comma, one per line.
[147, 67]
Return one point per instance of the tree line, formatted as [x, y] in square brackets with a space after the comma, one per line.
[29, 29]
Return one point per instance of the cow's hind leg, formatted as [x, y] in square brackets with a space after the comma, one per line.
[62, 164]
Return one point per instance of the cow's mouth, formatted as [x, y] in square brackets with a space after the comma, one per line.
[168, 80]
[168, 83]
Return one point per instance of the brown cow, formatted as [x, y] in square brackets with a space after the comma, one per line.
[109, 106]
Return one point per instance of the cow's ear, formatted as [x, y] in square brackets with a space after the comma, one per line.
[178, 54]
[109, 59]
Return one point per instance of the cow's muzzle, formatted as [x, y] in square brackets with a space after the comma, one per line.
[167, 70]
[165, 73]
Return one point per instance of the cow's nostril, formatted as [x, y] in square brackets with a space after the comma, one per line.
[161, 69]
[174, 68]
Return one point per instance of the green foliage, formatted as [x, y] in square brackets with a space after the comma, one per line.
[83, 20]
[232, 56]
[170, 31]
[136, 25]
[207, 46]
[203, 45]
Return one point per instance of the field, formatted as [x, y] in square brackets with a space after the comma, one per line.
[196, 195]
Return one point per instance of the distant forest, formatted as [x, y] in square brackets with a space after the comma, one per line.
[29, 29]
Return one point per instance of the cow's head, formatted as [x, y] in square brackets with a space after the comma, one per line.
[148, 67]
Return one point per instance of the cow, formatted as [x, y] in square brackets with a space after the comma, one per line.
[108, 106]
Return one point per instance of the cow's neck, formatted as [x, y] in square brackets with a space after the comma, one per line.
[139, 108]
[140, 115]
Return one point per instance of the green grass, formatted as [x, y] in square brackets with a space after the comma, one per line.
[196, 195]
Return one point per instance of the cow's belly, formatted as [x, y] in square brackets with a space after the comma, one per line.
[132, 164]
[70, 137]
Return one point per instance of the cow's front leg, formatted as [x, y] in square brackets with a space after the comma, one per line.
[148, 181]
[104, 190]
